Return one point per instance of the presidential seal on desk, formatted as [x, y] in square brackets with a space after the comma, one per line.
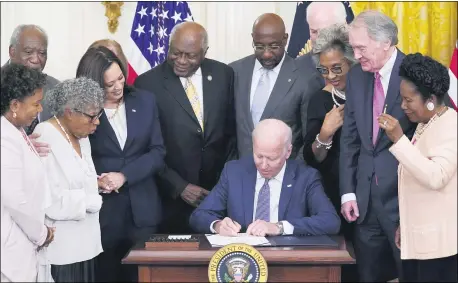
[237, 263]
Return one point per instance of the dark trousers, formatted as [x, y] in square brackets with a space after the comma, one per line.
[431, 270]
[176, 215]
[119, 235]
[75, 272]
[377, 257]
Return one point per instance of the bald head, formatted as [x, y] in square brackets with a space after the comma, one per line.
[269, 40]
[271, 146]
[321, 15]
[269, 24]
[187, 48]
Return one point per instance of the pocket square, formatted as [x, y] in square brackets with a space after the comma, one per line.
[289, 186]
[133, 110]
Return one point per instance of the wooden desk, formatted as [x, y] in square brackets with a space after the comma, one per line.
[285, 264]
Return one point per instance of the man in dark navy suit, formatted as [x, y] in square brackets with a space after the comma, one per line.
[267, 194]
[368, 171]
[195, 100]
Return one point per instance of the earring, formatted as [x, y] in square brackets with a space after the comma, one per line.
[14, 115]
[430, 106]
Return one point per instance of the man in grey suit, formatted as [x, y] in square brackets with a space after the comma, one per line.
[268, 85]
[29, 47]
[320, 15]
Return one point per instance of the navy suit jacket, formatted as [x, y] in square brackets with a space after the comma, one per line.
[359, 159]
[303, 204]
[141, 158]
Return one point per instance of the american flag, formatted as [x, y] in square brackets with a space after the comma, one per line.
[150, 33]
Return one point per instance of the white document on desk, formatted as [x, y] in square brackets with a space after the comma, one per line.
[242, 238]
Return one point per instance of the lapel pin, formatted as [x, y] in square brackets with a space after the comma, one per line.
[289, 80]
[210, 78]
[289, 185]
[133, 110]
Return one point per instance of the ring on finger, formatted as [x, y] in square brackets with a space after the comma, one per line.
[384, 123]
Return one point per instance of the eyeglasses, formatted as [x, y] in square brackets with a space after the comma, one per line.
[92, 118]
[263, 48]
[325, 71]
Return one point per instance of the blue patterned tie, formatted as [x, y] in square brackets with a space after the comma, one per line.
[263, 206]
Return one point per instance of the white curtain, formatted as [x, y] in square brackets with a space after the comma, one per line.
[73, 26]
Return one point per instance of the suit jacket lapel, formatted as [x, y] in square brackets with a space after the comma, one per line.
[210, 96]
[286, 189]
[132, 118]
[173, 85]
[285, 80]
[105, 126]
[248, 188]
[368, 94]
[245, 83]
[393, 90]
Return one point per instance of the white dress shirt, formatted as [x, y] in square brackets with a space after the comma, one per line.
[257, 72]
[118, 123]
[75, 199]
[275, 185]
[385, 75]
[196, 80]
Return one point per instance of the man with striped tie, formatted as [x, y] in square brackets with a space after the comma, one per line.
[194, 96]
[267, 194]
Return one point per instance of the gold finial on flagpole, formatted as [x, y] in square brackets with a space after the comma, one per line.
[112, 12]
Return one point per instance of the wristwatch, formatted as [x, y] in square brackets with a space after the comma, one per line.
[280, 227]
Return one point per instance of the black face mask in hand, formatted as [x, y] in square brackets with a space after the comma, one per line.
[32, 126]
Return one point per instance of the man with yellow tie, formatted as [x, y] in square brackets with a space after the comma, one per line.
[196, 111]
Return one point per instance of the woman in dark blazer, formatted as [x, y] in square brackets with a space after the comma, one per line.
[127, 150]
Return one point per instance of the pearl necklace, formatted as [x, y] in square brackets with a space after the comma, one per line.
[335, 92]
[422, 127]
[63, 130]
[116, 111]
[87, 169]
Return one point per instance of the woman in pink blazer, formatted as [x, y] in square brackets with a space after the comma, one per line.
[24, 194]
[427, 173]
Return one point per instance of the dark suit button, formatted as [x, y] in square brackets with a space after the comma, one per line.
[203, 148]
[369, 178]
[199, 130]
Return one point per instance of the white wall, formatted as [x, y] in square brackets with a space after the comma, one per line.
[73, 26]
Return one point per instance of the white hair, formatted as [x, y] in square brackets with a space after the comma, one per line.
[379, 26]
[20, 29]
[177, 26]
[273, 129]
[336, 9]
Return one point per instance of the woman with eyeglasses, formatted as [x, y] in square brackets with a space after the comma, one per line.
[75, 202]
[334, 57]
[128, 151]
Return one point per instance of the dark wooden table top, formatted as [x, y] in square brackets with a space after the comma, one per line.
[273, 255]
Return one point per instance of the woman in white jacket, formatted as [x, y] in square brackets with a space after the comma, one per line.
[24, 189]
[76, 105]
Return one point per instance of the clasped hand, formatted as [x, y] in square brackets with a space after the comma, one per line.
[109, 182]
[261, 228]
[194, 195]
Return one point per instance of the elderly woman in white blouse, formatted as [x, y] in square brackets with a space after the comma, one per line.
[76, 105]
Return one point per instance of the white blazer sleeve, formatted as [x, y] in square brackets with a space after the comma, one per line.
[433, 171]
[67, 204]
[22, 209]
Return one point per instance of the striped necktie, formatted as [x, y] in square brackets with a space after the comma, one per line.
[193, 97]
[263, 205]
